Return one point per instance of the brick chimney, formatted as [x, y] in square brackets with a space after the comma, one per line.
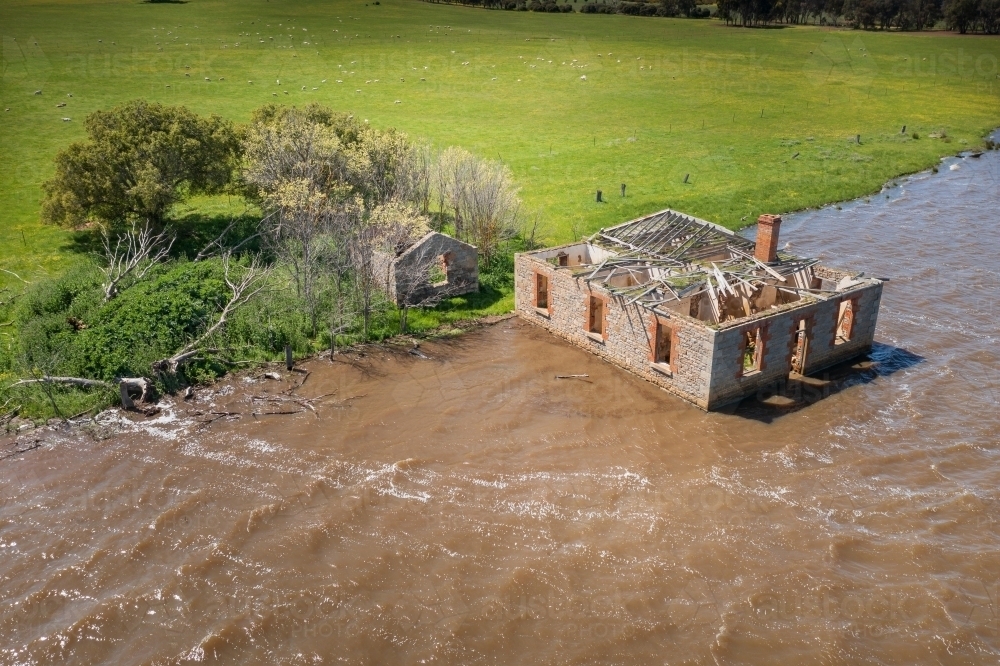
[766, 249]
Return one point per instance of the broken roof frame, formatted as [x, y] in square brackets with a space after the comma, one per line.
[673, 254]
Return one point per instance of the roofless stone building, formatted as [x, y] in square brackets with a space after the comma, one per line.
[432, 267]
[696, 309]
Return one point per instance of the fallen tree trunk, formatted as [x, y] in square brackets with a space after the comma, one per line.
[75, 381]
[251, 284]
[125, 384]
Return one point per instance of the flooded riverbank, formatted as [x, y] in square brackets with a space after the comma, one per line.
[469, 507]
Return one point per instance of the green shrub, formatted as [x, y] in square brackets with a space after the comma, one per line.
[49, 314]
[150, 321]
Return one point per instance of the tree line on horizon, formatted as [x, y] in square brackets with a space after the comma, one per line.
[963, 16]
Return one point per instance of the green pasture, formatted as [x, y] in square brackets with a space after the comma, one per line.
[757, 120]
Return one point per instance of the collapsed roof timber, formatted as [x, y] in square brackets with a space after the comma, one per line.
[669, 257]
[697, 309]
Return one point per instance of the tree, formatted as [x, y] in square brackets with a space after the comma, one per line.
[450, 178]
[482, 195]
[490, 206]
[131, 256]
[388, 230]
[918, 14]
[339, 191]
[384, 166]
[989, 16]
[961, 14]
[138, 160]
[296, 165]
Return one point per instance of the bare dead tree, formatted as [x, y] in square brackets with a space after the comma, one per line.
[217, 245]
[489, 205]
[75, 381]
[251, 281]
[15, 275]
[451, 177]
[530, 228]
[132, 255]
[141, 385]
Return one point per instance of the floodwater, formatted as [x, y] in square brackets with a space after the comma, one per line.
[469, 507]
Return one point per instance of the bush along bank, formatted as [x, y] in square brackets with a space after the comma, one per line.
[163, 303]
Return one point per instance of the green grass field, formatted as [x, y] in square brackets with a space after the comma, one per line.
[762, 120]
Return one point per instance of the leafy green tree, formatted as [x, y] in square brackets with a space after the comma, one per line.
[138, 160]
[989, 16]
[961, 14]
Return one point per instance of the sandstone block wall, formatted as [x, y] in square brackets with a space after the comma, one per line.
[628, 334]
[729, 381]
[400, 272]
[707, 362]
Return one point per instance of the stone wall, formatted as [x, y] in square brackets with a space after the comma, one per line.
[730, 383]
[408, 273]
[706, 361]
[629, 330]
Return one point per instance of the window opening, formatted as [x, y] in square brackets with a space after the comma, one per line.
[664, 343]
[541, 291]
[801, 346]
[439, 271]
[753, 351]
[595, 323]
[845, 322]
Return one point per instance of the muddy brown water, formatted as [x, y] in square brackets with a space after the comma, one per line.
[469, 507]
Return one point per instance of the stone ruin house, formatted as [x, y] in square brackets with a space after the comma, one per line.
[435, 266]
[696, 309]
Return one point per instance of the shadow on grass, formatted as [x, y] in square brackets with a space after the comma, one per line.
[194, 231]
[485, 298]
[798, 392]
